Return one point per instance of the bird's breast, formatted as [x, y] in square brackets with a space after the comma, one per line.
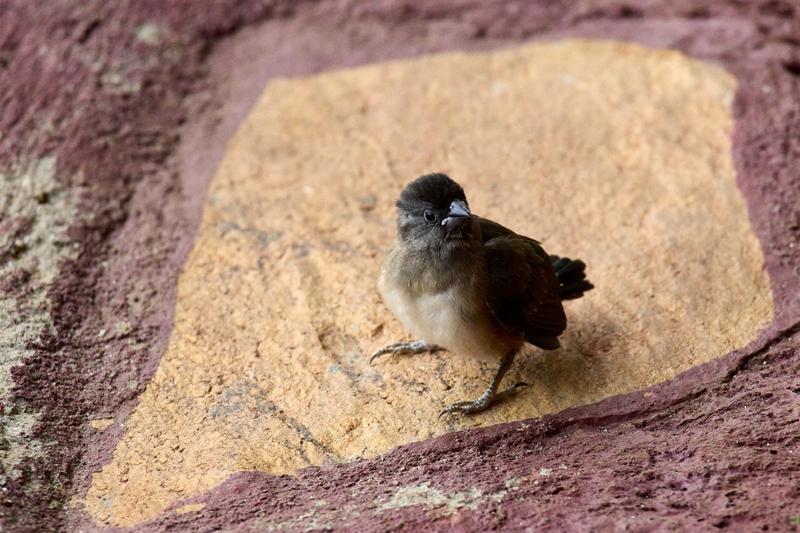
[452, 317]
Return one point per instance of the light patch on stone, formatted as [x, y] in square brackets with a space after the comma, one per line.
[116, 82]
[101, 424]
[426, 496]
[148, 33]
[16, 426]
[190, 508]
[321, 517]
[31, 192]
[611, 152]
[447, 503]
[28, 192]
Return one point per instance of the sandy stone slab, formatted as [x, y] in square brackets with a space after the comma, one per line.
[612, 152]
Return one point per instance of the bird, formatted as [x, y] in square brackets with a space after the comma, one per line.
[468, 285]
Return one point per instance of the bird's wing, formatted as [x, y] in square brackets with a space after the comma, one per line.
[523, 293]
[491, 229]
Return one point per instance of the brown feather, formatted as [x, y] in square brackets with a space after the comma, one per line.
[523, 290]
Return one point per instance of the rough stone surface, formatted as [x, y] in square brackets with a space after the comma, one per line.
[90, 116]
[145, 148]
[267, 367]
[583, 470]
[35, 214]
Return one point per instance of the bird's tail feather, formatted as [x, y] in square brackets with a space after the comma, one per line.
[571, 274]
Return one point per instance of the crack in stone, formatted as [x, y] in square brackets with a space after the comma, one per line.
[769, 342]
[232, 400]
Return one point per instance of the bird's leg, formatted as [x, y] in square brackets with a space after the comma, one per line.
[406, 348]
[491, 395]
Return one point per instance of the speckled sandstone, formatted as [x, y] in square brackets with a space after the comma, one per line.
[608, 151]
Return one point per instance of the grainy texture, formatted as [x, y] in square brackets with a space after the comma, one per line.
[92, 99]
[35, 214]
[610, 151]
[143, 200]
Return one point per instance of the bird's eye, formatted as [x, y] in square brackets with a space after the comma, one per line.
[429, 216]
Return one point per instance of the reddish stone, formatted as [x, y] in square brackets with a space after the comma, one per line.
[717, 446]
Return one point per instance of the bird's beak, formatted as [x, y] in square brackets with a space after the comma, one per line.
[456, 217]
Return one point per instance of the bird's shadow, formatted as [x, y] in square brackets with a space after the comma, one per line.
[574, 374]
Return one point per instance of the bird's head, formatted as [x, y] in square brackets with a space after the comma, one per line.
[433, 214]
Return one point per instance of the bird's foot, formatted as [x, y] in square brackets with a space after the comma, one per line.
[406, 348]
[486, 400]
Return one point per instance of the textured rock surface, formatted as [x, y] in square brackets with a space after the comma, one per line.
[612, 152]
[35, 215]
[135, 111]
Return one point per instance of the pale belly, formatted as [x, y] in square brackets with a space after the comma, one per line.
[447, 319]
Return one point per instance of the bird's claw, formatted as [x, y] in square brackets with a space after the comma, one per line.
[481, 404]
[406, 348]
